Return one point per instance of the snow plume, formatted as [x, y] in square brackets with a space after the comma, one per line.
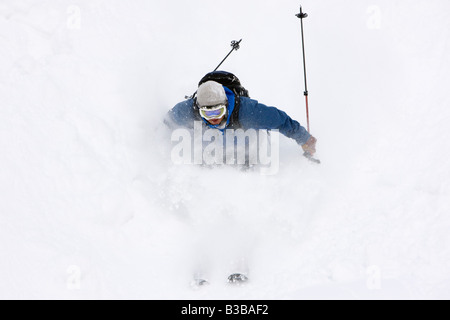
[93, 207]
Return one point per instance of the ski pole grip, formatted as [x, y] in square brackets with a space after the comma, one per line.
[236, 44]
[301, 15]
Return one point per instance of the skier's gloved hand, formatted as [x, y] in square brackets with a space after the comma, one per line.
[310, 146]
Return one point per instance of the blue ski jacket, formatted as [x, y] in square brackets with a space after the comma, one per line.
[251, 115]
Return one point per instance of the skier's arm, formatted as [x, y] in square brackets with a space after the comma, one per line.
[259, 116]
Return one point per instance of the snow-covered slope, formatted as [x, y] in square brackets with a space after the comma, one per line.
[92, 207]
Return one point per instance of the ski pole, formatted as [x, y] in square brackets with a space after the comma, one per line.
[235, 46]
[302, 16]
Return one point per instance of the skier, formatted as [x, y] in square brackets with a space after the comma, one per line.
[221, 103]
[228, 106]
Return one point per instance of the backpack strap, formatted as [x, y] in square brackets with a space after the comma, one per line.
[234, 120]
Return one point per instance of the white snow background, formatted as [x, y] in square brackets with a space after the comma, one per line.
[92, 208]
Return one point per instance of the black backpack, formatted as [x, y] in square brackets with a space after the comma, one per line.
[228, 80]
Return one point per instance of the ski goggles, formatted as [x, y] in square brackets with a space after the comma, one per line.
[214, 112]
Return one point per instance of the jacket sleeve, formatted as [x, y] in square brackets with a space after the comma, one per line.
[255, 115]
[182, 115]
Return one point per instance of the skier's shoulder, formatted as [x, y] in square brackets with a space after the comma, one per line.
[185, 105]
[248, 105]
[182, 113]
[183, 109]
[252, 107]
